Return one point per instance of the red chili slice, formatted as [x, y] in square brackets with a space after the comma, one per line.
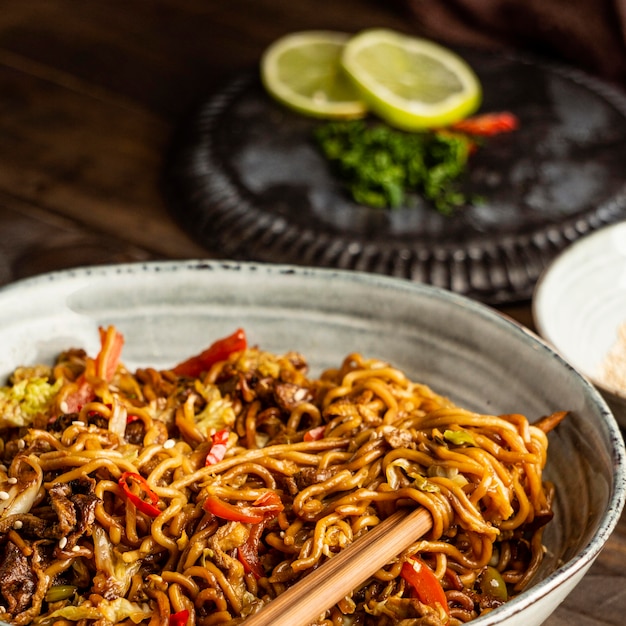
[149, 508]
[488, 124]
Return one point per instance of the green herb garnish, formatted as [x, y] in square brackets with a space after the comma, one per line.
[380, 165]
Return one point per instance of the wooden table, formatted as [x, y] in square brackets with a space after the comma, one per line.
[91, 94]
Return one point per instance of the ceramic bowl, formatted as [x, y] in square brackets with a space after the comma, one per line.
[579, 305]
[462, 349]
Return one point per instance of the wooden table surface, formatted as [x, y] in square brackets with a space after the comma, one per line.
[91, 94]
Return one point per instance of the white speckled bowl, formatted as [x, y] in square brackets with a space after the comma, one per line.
[580, 301]
[457, 346]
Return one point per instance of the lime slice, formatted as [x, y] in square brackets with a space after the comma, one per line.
[409, 82]
[303, 71]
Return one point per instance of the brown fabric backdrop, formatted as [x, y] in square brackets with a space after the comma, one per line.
[590, 34]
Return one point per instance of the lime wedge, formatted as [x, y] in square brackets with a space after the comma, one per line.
[409, 82]
[303, 71]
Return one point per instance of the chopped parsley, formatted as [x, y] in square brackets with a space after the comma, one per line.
[379, 165]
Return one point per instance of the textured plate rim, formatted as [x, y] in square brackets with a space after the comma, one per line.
[233, 224]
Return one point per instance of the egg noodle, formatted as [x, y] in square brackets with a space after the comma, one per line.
[197, 494]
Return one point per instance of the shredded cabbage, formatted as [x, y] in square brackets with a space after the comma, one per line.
[113, 611]
[25, 400]
[218, 412]
[398, 467]
[114, 574]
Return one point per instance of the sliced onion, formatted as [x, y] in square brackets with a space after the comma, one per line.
[23, 494]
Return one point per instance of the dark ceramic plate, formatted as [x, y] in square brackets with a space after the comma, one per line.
[245, 179]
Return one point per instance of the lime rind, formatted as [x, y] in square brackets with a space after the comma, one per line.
[303, 72]
[389, 68]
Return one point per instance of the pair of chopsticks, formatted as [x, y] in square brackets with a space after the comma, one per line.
[340, 575]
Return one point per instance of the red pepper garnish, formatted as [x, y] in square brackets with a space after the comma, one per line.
[488, 124]
[315, 433]
[109, 356]
[267, 505]
[425, 584]
[269, 502]
[218, 351]
[76, 400]
[218, 447]
[226, 510]
[149, 508]
[248, 553]
[180, 618]
[106, 363]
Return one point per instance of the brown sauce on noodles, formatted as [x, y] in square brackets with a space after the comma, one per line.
[150, 497]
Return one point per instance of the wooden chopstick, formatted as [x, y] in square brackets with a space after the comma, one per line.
[300, 604]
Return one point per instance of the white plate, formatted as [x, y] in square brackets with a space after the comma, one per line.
[580, 302]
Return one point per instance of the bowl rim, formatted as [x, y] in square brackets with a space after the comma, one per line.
[611, 515]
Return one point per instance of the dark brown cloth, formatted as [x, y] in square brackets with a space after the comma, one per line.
[589, 34]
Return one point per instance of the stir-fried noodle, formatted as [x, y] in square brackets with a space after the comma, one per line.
[198, 494]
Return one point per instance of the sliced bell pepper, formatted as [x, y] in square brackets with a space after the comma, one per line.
[425, 584]
[149, 508]
[267, 505]
[218, 447]
[269, 502]
[216, 352]
[315, 433]
[110, 353]
[234, 513]
[106, 363]
[179, 618]
[248, 553]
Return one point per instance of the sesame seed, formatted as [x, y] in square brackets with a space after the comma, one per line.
[4, 495]
[77, 423]
[12, 480]
[21, 444]
[18, 524]
[170, 443]
[62, 542]
[300, 394]
[64, 407]
[76, 549]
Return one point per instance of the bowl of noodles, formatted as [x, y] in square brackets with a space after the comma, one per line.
[189, 442]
